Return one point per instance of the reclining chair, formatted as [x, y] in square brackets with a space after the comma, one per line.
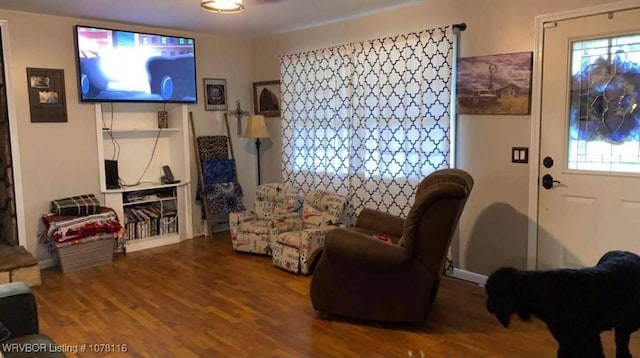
[360, 276]
[297, 242]
[251, 230]
[19, 314]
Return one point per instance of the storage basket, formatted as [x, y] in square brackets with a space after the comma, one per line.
[87, 254]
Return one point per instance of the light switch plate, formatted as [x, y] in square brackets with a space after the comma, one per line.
[519, 155]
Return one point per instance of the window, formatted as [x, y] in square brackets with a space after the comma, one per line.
[369, 120]
[604, 131]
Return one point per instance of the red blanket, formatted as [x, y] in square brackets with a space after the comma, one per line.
[59, 228]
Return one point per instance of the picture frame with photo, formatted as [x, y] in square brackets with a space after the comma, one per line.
[267, 98]
[495, 84]
[47, 99]
[215, 94]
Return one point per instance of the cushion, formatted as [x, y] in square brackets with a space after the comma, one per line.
[382, 238]
[76, 206]
[322, 208]
[288, 224]
[270, 192]
[313, 216]
[4, 332]
[264, 210]
[292, 238]
[276, 200]
[256, 227]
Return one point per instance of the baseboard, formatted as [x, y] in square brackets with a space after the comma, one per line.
[469, 276]
[217, 228]
[220, 227]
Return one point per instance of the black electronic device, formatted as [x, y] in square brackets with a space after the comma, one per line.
[168, 176]
[111, 174]
[127, 66]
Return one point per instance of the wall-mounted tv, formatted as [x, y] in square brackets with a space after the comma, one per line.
[125, 66]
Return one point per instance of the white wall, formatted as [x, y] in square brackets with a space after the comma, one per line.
[493, 229]
[60, 159]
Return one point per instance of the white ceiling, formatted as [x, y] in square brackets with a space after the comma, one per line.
[260, 17]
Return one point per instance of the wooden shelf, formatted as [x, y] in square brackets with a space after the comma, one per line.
[139, 133]
[144, 186]
[151, 241]
[146, 201]
[143, 150]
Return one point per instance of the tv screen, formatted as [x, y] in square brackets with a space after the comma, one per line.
[125, 66]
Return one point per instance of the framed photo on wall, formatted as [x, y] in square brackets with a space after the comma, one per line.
[215, 91]
[46, 95]
[495, 84]
[266, 98]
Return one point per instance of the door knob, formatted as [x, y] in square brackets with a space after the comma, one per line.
[548, 181]
[547, 162]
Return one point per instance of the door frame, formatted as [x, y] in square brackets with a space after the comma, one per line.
[13, 130]
[542, 22]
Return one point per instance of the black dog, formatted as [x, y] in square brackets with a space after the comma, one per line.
[576, 304]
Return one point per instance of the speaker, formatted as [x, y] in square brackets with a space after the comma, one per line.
[163, 119]
[111, 174]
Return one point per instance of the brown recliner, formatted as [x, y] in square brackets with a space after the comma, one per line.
[362, 277]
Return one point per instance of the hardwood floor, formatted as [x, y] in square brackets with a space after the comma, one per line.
[198, 298]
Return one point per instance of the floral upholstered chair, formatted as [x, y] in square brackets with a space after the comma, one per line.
[297, 241]
[251, 230]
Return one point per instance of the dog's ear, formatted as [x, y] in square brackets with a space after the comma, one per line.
[503, 309]
[500, 292]
[524, 315]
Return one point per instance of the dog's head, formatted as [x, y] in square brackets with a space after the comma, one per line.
[500, 294]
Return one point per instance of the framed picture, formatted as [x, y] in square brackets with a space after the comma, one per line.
[266, 98]
[495, 84]
[215, 91]
[46, 95]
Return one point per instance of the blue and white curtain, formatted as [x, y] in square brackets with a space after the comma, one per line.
[369, 120]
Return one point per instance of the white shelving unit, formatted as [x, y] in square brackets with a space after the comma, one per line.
[129, 133]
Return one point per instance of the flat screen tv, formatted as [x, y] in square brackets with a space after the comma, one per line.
[125, 66]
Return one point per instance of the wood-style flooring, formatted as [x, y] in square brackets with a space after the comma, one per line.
[199, 298]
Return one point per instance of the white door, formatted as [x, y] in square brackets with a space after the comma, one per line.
[590, 130]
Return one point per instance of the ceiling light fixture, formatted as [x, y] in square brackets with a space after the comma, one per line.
[222, 6]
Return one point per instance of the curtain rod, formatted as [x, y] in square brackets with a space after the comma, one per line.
[460, 27]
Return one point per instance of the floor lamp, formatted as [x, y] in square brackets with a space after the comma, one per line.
[256, 128]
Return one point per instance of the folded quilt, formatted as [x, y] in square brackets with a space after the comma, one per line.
[213, 147]
[101, 236]
[76, 205]
[218, 171]
[223, 198]
[63, 228]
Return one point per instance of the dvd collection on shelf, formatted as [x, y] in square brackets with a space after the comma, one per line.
[149, 220]
[145, 219]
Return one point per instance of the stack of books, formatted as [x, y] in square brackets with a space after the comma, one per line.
[149, 220]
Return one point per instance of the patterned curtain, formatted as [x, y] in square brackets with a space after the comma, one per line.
[368, 120]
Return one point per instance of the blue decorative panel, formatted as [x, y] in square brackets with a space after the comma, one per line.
[604, 121]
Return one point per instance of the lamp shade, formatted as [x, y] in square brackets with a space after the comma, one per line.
[222, 6]
[256, 128]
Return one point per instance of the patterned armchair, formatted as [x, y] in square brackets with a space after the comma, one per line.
[297, 242]
[251, 230]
